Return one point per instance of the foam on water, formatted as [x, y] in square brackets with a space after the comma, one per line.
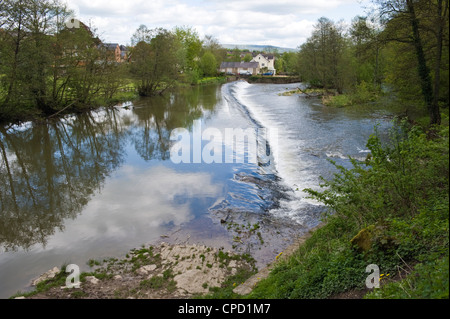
[286, 149]
[308, 137]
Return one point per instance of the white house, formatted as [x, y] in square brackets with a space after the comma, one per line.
[265, 61]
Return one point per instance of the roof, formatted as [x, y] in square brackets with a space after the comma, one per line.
[110, 46]
[247, 65]
[266, 56]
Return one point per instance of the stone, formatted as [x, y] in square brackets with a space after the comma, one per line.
[373, 235]
[45, 276]
[144, 270]
[363, 240]
[92, 280]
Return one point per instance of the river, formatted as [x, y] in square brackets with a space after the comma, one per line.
[97, 184]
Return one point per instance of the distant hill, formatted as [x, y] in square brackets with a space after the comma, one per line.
[255, 47]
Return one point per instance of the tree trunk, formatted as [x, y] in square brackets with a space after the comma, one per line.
[437, 66]
[424, 71]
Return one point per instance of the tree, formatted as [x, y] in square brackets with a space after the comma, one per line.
[421, 21]
[208, 64]
[14, 15]
[248, 57]
[47, 66]
[236, 56]
[367, 46]
[290, 62]
[154, 63]
[212, 44]
[322, 59]
[142, 34]
[190, 47]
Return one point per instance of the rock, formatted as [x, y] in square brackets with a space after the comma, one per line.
[92, 280]
[191, 281]
[48, 275]
[233, 265]
[21, 297]
[144, 270]
[117, 277]
[363, 240]
[373, 235]
[242, 290]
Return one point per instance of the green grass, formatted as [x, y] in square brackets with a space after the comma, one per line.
[225, 291]
[58, 281]
[363, 93]
[211, 80]
[428, 280]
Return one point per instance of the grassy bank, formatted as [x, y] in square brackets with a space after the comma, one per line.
[212, 80]
[391, 211]
[361, 93]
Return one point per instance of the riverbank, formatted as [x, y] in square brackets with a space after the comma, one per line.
[126, 93]
[163, 271]
[389, 212]
[149, 272]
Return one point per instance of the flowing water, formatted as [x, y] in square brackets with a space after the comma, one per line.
[95, 185]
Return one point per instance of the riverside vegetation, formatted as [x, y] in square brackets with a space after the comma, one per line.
[49, 67]
[391, 211]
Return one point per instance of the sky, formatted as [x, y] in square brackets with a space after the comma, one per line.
[282, 23]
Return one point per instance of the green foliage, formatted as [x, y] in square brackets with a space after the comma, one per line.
[407, 54]
[208, 64]
[47, 67]
[248, 57]
[362, 93]
[154, 64]
[427, 281]
[341, 100]
[323, 59]
[190, 47]
[398, 178]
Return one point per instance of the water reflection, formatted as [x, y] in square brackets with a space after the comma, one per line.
[50, 172]
[155, 123]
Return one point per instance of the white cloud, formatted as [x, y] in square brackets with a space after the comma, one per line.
[136, 204]
[282, 23]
